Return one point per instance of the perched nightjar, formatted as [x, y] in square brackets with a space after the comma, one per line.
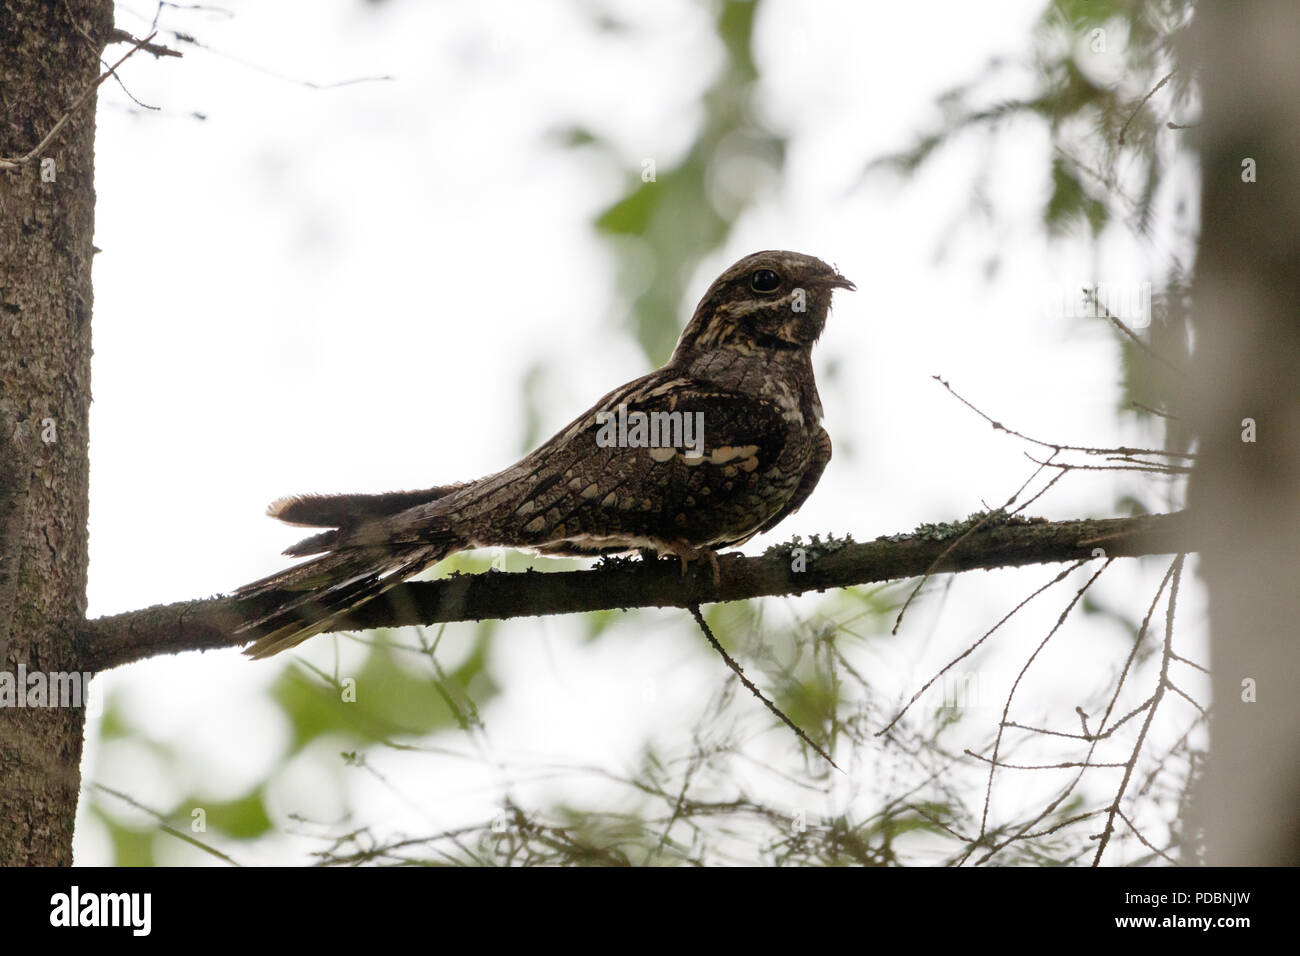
[721, 443]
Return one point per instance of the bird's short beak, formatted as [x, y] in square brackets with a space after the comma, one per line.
[839, 282]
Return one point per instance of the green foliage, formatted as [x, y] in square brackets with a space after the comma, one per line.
[398, 692]
[1070, 203]
[243, 818]
[661, 230]
[392, 698]
[132, 846]
[1111, 148]
[1113, 99]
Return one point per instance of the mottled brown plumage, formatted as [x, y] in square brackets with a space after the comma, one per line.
[721, 443]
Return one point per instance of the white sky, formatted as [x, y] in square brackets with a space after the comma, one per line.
[339, 290]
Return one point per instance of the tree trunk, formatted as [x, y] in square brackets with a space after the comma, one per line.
[49, 56]
[1245, 493]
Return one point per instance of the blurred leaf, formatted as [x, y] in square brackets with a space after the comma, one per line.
[131, 846]
[811, 703]
[572, 137]
[595, 623]
[630, 215]
[242, 819]
[662, 227]
[1066, 203]
[392, 698]
[114, 725]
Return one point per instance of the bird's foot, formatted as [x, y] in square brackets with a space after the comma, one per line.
[687, 553]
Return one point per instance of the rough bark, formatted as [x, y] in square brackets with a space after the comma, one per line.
[49, 56]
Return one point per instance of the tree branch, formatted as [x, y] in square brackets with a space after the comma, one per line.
[626, 583]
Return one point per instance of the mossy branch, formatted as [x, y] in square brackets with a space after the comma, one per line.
[792, 568]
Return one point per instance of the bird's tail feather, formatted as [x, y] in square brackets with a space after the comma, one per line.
[345, 511]
[321, 592]
[313, 597]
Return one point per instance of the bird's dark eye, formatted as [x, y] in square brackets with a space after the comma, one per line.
[764, 280]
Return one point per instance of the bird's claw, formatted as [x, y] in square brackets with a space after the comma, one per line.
[687, 553]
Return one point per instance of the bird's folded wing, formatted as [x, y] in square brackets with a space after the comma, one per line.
[664, 458]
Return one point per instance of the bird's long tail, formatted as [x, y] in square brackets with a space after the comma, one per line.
[358, 561]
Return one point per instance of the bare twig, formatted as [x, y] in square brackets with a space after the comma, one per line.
[1057, 446]
[971, 649]
[165, 826]
[1102, 732]
[1155, 89]
[1176, 571]
[1061, 765]
[1006, 708]
[1154, 411]
[999, 513]
[121, 36]
[310, 84]
[749, 685]
[77, 104]
[1136, 339]
[1148, 466]
[1143, 840]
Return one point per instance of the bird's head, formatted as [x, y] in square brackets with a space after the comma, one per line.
[768, 300]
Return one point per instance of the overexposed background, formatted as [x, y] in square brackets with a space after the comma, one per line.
[342, 289]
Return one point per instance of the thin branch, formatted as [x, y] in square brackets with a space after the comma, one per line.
[165, 826]
[626, 583]
[1189, 662]
[1133, 337]
[1138, 833]
[1154, 411]
[1057, 446]
[1155, 89]
[1006, 707]
[1148, 467]
[77, 104]
[310, 84]
[898, 621]
[749, 686]
[158, 50]
[1095, 737]
[971, 649]
[1177, 575]
[1062, 765]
